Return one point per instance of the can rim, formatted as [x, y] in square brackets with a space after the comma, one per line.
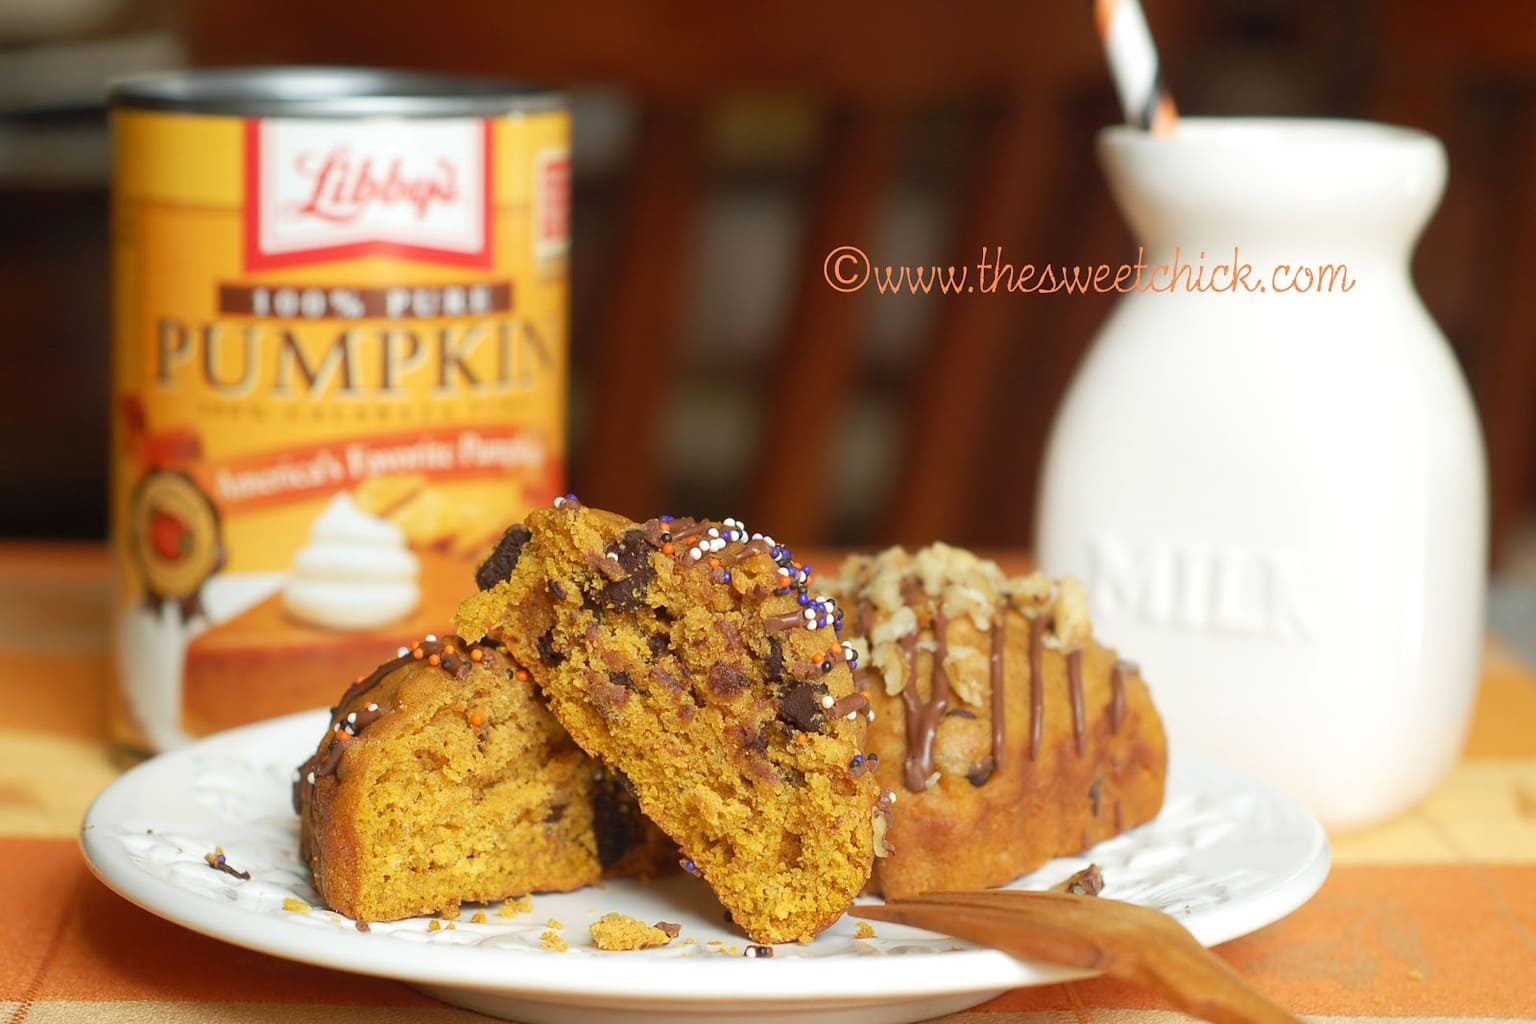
[329, 92]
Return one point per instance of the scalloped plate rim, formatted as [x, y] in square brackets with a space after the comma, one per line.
[628, 977]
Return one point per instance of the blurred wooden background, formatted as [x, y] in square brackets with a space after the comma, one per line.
[721, 152]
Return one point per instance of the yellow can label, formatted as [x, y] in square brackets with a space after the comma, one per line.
[340, 371]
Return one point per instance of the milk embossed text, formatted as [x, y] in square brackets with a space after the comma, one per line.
[1218, 586]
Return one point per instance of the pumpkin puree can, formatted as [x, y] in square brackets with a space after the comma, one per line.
[339, 371]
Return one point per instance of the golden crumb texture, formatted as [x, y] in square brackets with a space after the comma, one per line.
[699, 664]
[443, 779]
[621, 932]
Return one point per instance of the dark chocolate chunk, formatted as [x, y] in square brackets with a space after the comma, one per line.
[727, 680]
[555, 813]
[503, 560]
[759, 742]
[801, 707]
[982, 772]
[556, 590]
[547, 653]
[658, 644]
[670, 928]
[775, 664]
[622, 679]
[616, 822]
[634, 561]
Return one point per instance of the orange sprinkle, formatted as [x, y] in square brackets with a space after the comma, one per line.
[359, 679]
[692, 541]
[342, 736]
[476, 719]
[667, 548]
[434, 660]
[476, 654]
[522, 675]
[714, 563]
[802, 739]
[418, 653]
[864, 694]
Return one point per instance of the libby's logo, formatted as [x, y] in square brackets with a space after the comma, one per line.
[347, 187]
[321, 190]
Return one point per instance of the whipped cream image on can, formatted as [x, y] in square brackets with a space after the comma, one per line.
[339, 371]
[356, 572]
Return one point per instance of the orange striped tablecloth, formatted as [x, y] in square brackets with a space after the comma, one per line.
[1432, 915]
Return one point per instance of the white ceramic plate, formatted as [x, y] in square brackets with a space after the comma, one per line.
[1225, 857]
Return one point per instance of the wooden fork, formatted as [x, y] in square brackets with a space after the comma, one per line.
[1123, 940]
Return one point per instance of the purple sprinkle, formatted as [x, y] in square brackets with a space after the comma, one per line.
[666, 519]
[725, 577]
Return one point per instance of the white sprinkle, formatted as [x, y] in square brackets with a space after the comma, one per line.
[352, 718]
[371, 707]
[870, 715]
[851, 715]
[712, 532]
[430, 637]
[695, 554]
[613, 555]
[402, 652]
[827, 701]
[311, 778]
[559, 502]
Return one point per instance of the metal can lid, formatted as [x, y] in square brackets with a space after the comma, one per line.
[321, 92]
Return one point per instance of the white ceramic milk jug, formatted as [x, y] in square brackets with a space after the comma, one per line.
[1278, 498]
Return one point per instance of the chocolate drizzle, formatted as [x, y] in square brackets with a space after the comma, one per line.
[1116, 697]
[1036, 686]
[999, 722]
[731, 556]
[781, 621]
[1075, 682]
[853, 704]
[923, 718]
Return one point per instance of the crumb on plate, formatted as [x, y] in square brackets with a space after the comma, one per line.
[620, 931]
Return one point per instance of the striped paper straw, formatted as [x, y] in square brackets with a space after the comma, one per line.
[1133, 63]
